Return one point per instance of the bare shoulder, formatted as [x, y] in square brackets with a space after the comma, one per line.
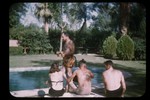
[76, 71]
[70, 42]
[118, 71]
[104, 72]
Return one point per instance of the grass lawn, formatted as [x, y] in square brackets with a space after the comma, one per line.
[136, 68]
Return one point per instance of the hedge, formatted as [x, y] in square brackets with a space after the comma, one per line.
[16, 50]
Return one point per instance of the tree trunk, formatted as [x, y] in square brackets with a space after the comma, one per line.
[83, 28]
[62, 30]
[60, 48]
[46, 27]
[124, 17]
[25, 50]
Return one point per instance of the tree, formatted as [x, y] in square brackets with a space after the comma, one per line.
[16, 10]
[38, 42]
[78, 13]
[137, 23]
[16, 32]
[104, 18]
[109, 46]
[44, 13]
[71, 11]
[124, 17]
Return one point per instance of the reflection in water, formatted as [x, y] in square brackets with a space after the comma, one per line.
[36, 79]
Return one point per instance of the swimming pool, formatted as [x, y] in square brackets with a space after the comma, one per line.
[25, 80]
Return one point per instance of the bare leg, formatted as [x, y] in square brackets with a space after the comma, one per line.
[71, 85]
[69, 72]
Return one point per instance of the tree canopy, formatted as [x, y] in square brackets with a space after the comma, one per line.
[89, 23]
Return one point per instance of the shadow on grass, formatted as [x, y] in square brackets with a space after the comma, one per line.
[45, 62]
[113, 58]
[138, 77]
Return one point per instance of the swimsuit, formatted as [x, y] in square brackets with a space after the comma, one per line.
[56, 82]
[53, 92]
[68, 61]
[114, 93]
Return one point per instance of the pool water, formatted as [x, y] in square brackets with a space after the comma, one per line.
[36, 79]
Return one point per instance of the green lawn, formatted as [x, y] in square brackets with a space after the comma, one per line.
[31, 60]
[136, 68]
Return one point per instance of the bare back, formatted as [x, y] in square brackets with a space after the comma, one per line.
[112, 79]
[84, 80]
[57, 80]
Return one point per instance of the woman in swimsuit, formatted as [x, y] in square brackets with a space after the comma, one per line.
[56, 80]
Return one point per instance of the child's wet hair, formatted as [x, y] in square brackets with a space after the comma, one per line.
[82, 62]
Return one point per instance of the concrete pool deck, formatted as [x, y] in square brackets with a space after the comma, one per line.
[35, 93]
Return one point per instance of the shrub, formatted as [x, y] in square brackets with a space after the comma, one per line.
[16, 50]
[125, 48]
[38, 42]
[109, 47]
[140, 48]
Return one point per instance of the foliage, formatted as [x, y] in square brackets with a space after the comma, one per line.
[80, 39]
[109, 47]
[140, 48]
[55, 9]
[142, 28]
[93, 40]
[54, 37]
[107, 18]
[137, 23]
[16, 32]
[103, 17]
[42, 12]
[36, 41]
[15, 12]
[16, 50]
[125, 48]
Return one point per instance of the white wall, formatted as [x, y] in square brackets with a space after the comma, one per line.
[13, 43]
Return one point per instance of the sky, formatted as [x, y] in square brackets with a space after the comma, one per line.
[30, 18]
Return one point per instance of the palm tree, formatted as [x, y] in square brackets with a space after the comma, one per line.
[42, 12]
